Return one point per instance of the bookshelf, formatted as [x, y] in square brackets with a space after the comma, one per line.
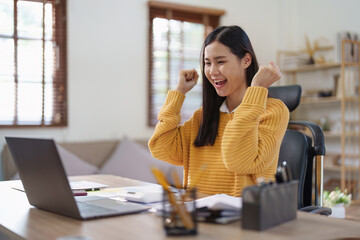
[350, 121]
[342, 161]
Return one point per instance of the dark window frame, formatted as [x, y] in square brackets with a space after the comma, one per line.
[209, 17]
[59, 80]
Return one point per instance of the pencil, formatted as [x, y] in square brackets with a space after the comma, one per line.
[176, 179]
[180, 209]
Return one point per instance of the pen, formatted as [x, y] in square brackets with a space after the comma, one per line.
[287, 171]
[92, 189]
[283, 173]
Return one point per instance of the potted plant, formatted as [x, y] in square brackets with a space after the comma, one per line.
[337, 201]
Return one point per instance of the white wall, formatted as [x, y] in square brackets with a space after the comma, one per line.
[108, 51]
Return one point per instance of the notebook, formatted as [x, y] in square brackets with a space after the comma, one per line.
[47, 187]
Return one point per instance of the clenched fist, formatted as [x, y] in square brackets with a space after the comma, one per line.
[187, 80]
[266, 76]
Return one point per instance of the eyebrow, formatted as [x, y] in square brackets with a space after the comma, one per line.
[216, 58]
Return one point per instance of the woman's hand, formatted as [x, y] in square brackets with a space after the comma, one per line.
[266, 76]
[187, 80]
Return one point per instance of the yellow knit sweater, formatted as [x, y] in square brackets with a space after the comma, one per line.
[247, 145]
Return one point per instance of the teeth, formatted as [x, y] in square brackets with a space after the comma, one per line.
[217, 81]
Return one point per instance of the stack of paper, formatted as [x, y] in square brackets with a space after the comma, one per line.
[219, 208]
[87, 185]
[220, 202]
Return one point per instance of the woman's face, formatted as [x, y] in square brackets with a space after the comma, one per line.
[224, 70]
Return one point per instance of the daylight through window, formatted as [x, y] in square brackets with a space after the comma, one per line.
[32, 63]
[176, 36]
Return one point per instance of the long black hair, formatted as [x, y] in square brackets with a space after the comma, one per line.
[239, 44]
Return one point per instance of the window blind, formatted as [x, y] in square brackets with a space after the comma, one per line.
[176, 36]
[33, 63]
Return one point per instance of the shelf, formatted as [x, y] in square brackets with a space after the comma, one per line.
[333, 154]
[312, 67]
[351, 99]
[351, 168]
[311, 100]
[332, 134]
[352, 121]
[352, 134]
[350, 41]
[338, 168]
[352, 155]
[351, 64]
[332, 168]
[329, 134]
[338, 134]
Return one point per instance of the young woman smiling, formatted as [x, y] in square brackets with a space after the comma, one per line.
[237, 132]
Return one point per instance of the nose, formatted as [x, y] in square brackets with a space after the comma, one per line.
[213, 70]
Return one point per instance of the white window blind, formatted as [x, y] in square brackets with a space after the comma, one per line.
[33, 63]
[177, 33]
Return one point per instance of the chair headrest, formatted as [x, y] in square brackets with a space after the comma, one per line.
[289, 94]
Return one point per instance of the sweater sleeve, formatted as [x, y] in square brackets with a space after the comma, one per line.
[166, 143]
[253, 137]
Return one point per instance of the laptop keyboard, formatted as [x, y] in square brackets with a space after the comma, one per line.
[97, 207]
[93, 210]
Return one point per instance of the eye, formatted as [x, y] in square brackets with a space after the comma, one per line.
[207, 63]
[221, 62]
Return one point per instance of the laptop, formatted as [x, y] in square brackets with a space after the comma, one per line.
[47, 187]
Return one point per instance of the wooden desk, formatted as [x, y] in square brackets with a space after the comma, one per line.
[19, 220]
[353, 212]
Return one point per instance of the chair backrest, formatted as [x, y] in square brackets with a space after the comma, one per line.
[290, 95]
[296, 151]
[297, 148]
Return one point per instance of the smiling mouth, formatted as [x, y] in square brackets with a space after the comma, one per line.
[219, 83]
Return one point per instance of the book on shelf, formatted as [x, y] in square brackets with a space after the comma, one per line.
[351, 50]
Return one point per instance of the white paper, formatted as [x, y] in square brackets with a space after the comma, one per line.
[86, 185]
[220, 202]
[143, 194]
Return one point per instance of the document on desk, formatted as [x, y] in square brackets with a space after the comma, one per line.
[219, 208]
[142, 194]
[87, 185]
[220, 202]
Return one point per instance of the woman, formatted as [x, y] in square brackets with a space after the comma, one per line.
[238, 131]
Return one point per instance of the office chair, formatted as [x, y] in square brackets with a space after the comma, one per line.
[298, 152]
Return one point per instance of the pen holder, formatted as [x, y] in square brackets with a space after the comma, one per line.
[268, 205]
[179, 212]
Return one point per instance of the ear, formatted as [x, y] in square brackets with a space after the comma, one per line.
[246, 60]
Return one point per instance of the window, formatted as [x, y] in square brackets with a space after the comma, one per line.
[176, 36]
[33, 63]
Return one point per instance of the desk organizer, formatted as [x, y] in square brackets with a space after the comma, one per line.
[268, 205]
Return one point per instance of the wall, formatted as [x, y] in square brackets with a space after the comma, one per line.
[107, 56]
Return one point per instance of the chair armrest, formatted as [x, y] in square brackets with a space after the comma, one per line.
[318, 135]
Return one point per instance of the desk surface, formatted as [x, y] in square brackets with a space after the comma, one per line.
[19, 220]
